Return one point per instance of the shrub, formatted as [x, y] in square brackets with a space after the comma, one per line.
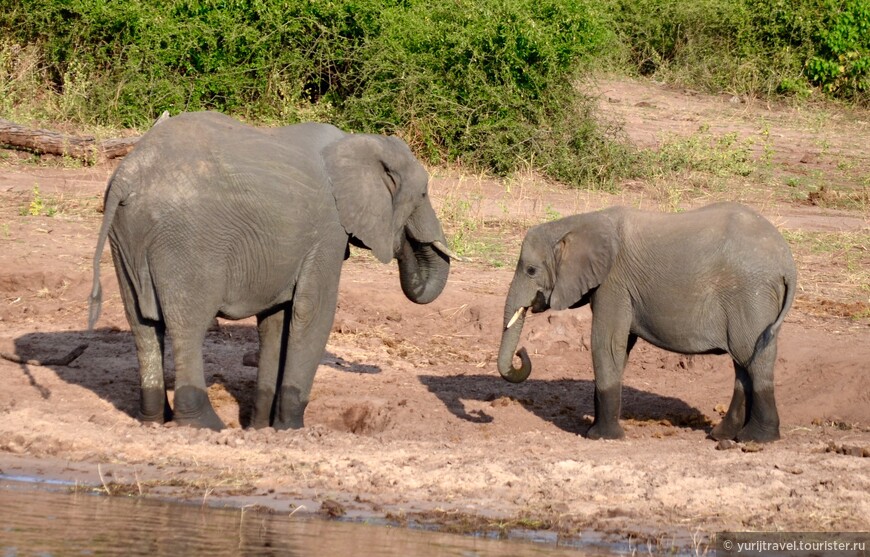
[841, 64]
[487, 82]
[751, 46]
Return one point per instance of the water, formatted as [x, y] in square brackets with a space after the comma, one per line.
[49, 520]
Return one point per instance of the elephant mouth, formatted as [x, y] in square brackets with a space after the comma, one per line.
[538, 305]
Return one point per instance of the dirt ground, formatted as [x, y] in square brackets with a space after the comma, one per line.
[409, 419]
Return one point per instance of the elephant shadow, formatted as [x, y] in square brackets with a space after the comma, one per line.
[566, 403]
[104, 362]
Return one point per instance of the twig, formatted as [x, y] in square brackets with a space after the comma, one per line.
[102, 479]
[63, 361]
[205, 495]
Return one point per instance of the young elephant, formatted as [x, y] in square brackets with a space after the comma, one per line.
[208, 216]
[714, 280]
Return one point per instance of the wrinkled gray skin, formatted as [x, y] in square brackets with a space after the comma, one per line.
[719, 279]
[210, 217]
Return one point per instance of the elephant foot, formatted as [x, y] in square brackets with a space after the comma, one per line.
[291, 409]
[601, 430]
[153, 407]
[192, 408]
[262, 409]
[296, 423]
[758, 433]
[725, 430]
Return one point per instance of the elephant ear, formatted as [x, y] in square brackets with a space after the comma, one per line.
[364, 173]
[583, 258]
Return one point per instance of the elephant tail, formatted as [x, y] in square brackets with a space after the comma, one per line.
[770, 332]
[110, 207]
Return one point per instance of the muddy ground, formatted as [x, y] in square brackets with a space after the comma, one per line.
[409, 418]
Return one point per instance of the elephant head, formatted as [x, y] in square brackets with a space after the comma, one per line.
[381, 192]
[560, 264]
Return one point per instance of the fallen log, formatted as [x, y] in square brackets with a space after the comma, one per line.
[57, 361]
[40, 141]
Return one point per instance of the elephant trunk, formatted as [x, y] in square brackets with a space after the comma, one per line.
[424, 260]
[509, 340]
[423, 271]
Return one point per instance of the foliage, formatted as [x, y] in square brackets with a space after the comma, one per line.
[703, 152]
[38, 206]
[129, 60]
[485, 82]
[751, 46]
[841, 64]
[491, 84]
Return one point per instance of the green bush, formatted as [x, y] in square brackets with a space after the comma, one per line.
[258, 59]
[490, 83]
[764, 47]
[487, 82]
[841, 64]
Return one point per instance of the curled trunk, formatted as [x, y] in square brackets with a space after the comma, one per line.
[509, 339]
[423, 271]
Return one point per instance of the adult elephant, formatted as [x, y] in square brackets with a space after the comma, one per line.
[210, 217]
[718, 279]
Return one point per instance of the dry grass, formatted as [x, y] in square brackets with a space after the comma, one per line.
[833, 273]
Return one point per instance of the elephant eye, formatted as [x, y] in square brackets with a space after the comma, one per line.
[531, 271]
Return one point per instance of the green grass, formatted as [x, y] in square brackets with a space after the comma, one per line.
[38, 205]
[494, 242]
[722, 155]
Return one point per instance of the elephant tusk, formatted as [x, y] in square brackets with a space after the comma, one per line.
[448, 252]
[163, 117]
[519, 313]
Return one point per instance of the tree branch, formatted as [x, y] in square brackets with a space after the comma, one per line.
[62, 361]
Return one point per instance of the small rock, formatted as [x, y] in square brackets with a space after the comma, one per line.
[725, 444]
[752, 447]
[332, 509]
[790, 470]
[251, 359]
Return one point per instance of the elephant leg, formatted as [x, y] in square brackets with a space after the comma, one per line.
[610, 348]
[192, 407]
[153, 403]
[735, 417]
[149, 338]
[762, 423]
[313, 311]
[273, 331]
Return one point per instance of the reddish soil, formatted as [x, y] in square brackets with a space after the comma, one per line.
[408, 414]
